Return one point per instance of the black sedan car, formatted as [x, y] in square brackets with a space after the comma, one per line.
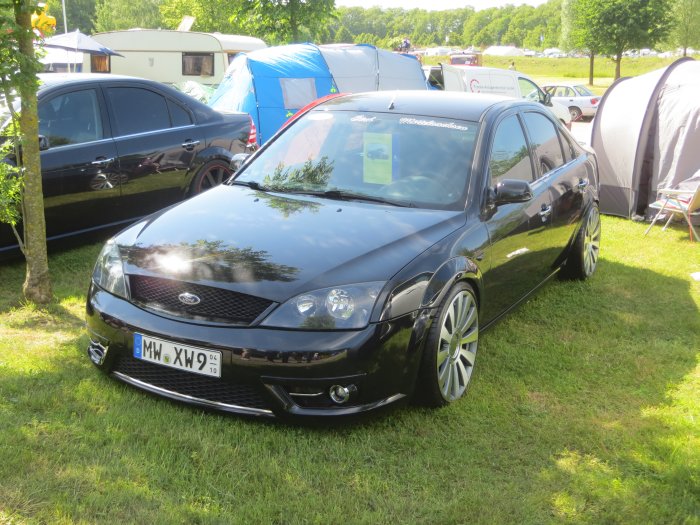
[117, 148]
[325, 279]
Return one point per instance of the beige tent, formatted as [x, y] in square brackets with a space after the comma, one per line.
[647, 136]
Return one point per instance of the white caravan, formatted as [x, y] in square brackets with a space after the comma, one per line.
[169, 56]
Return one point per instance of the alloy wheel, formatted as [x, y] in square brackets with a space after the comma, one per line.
[591, 241]
[459, 336]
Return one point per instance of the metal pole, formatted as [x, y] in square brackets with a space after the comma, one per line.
[65, 20]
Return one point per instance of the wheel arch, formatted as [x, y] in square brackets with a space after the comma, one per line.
[202, 157]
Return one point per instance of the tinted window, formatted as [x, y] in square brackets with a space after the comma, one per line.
[545, 140]
[179, 115]
[71, 118]
[509, 154]
[138, 110]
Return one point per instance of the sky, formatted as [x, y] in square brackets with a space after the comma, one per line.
[433, 5]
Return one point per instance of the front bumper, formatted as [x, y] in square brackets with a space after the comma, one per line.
[264, 372]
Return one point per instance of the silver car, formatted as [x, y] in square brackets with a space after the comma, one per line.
[578, 98]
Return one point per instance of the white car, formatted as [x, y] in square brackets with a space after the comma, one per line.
[579, 99]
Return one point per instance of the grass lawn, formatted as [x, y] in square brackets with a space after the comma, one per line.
[584, 408]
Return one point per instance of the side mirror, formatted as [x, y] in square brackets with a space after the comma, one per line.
[547, 100]
[512, 190]
[43, 143]
[238, 160]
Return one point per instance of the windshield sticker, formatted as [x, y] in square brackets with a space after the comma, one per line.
[432, 124]
[377, 158]
[319, 115]
[362, 118]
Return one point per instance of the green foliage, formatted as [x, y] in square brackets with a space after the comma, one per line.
[80, 14]
[210, 15]
[113, 15]
[685, 30]
[285, 21]
[11, 184]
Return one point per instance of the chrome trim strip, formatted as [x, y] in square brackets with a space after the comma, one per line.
[194, 400]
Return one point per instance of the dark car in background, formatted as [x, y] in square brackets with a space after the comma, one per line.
[118, 148]
[326, 280]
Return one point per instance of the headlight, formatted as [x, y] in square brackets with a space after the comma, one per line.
[109, 271]
[339, 307]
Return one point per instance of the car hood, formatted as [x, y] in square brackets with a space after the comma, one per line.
[276, 246]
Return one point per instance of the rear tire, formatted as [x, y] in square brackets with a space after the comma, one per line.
[575, 113]
[211, 174]
[450, 349]
[583, 259]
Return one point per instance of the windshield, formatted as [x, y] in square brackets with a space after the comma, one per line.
[399, 159]
[584, 91]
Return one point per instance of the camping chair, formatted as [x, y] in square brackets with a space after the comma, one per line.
[685, 202]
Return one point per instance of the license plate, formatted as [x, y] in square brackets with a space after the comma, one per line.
[175, 355]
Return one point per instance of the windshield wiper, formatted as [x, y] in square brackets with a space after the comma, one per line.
[250, 184]
[351, 196]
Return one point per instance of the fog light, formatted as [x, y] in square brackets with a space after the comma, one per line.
[341, 394]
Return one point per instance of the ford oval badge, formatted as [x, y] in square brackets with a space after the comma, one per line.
[189, 299]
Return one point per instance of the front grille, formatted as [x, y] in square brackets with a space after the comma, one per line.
[216, 304]
[194, 385]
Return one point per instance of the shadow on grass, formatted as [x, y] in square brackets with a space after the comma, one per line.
[571, 417]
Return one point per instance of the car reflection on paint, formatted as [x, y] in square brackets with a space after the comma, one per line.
[322, 282]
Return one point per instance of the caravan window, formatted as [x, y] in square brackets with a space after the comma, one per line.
[100, 64]
[198, 64]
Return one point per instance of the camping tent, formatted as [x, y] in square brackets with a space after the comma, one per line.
[272, 84]
[646, 135]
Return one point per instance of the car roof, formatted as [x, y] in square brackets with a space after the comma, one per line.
[433, 103]
[52, 79]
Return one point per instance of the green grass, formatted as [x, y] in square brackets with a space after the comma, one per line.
[584, 409]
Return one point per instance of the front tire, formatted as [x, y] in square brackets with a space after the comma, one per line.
[583, 259]
[450, 349]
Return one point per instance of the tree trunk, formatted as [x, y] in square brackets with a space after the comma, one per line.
[37, 283]
[618, 61]
[591, 63]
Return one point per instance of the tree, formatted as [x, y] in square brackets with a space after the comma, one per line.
[210, 15]
[112, 15]
[577, 32]
[284, 21]
[18, 69]
[80, 15]
[616, 26]
[686, 27]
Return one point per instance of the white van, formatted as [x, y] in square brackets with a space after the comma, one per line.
[168, 56]
[495, 81]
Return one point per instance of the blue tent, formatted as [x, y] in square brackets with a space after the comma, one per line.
[272, 84]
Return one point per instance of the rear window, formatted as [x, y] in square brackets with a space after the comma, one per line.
[413, 160]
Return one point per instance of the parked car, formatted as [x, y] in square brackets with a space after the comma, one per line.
[324, 279]
[579, 99]
[118, 148]
[495, 81]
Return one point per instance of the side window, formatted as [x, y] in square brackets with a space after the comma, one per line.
[179, 115]
[571, 150]
[71, 118]
[198, 64]
[137, 110]
[509, 154]
[545, 139]
[529, 90]
[570, 92]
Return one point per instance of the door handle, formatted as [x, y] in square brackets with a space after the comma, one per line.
[102, 161]
[189, 145]
[582, 183]
[545, 212]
